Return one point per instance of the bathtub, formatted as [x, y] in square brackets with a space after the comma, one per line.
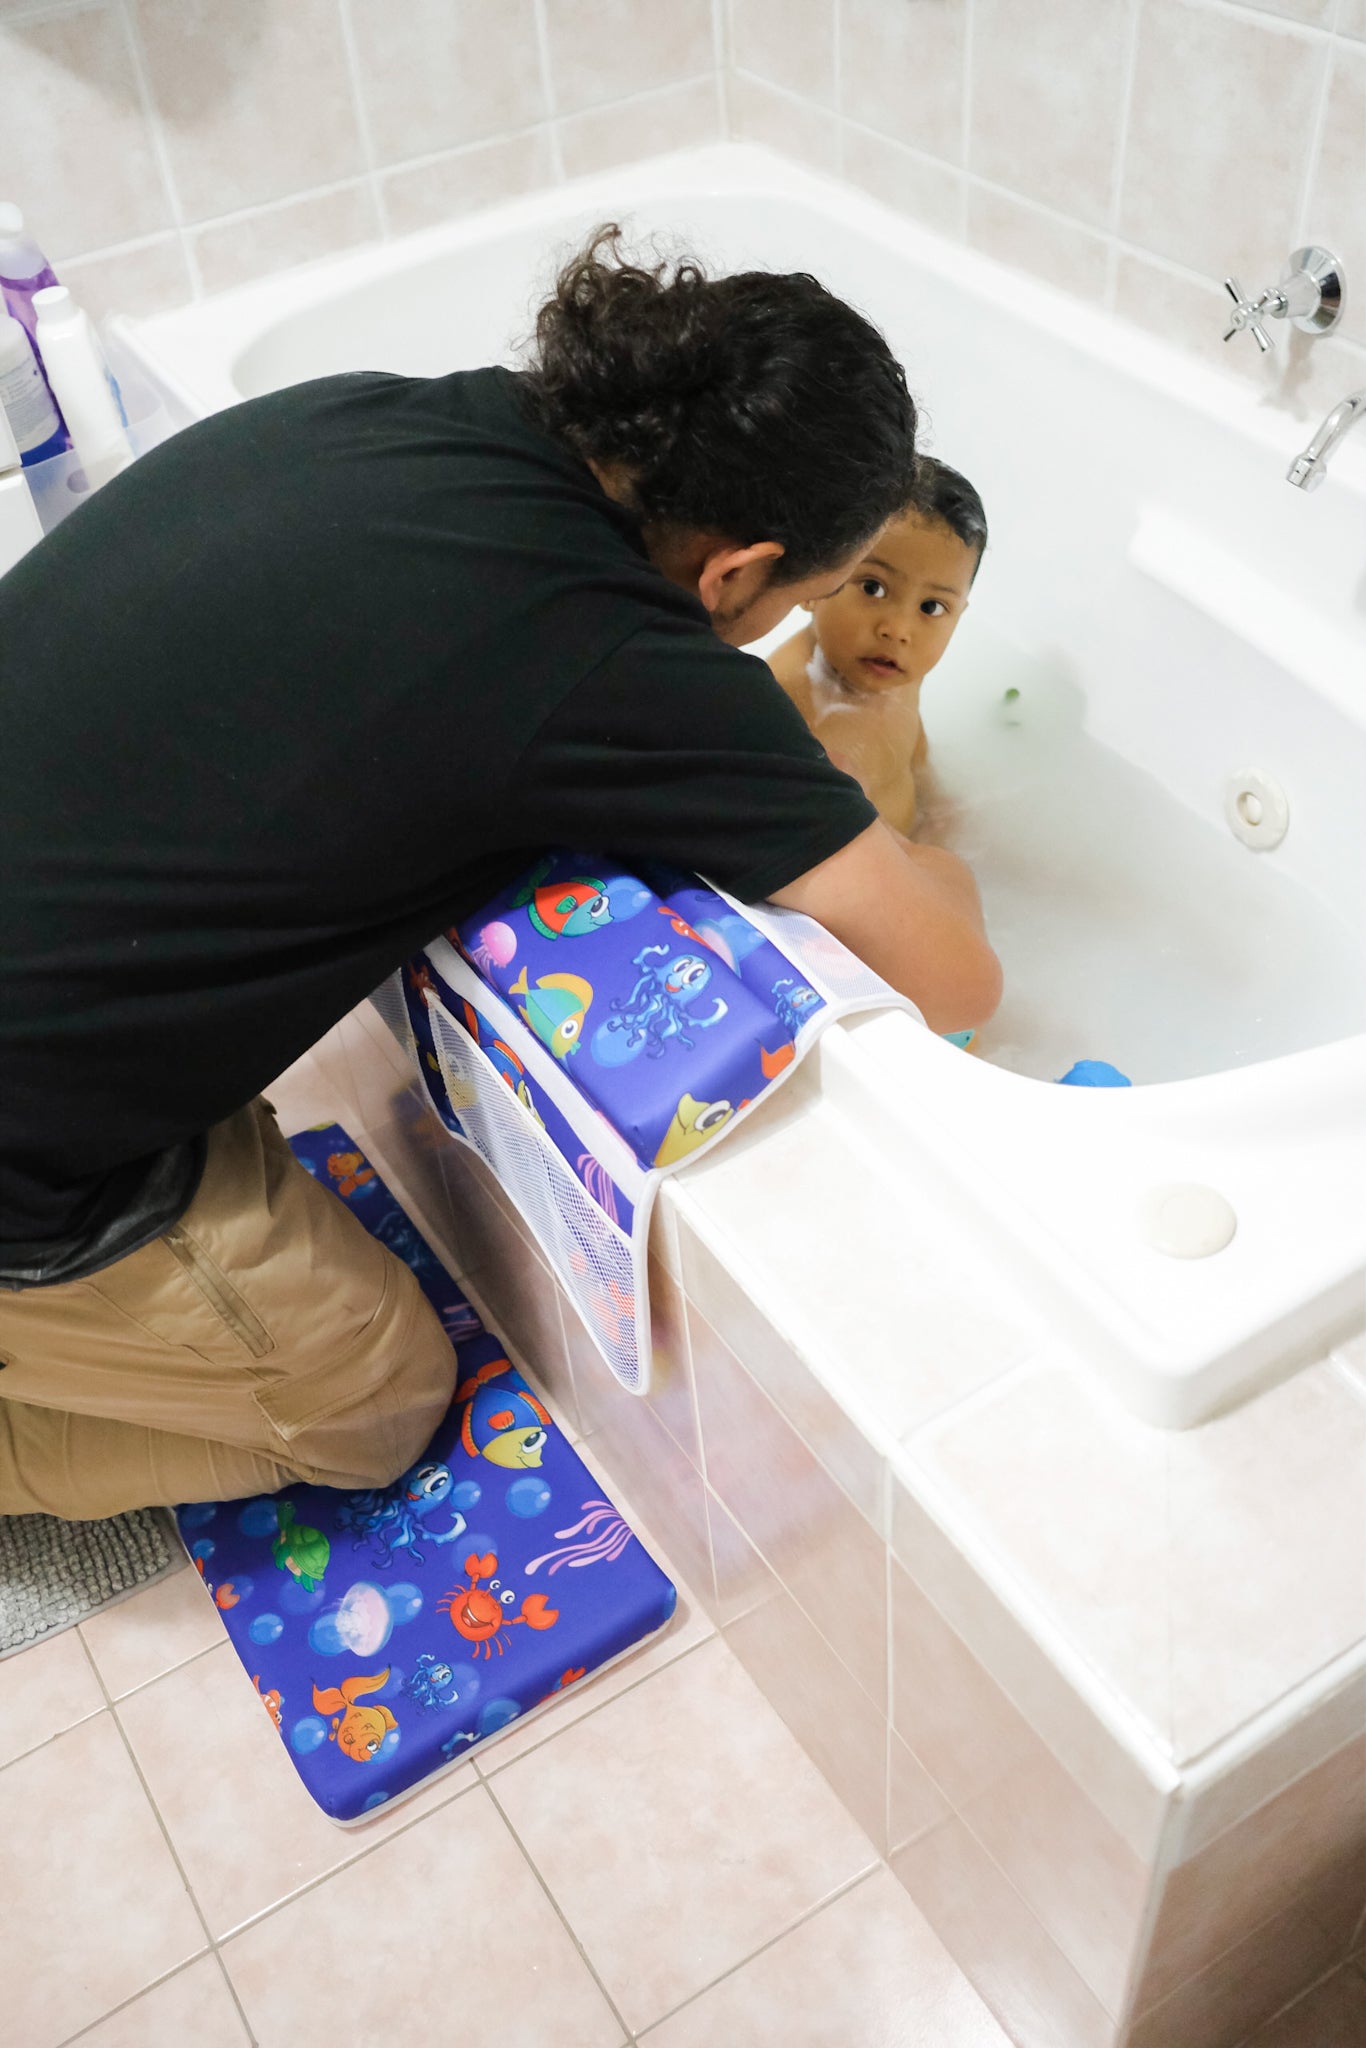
[1165, 645]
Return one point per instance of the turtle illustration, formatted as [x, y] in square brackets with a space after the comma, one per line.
[299, 1550]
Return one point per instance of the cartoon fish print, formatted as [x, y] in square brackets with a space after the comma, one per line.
[505, 1425]
[358, 1732]
[564, 910]
[773, 1063]
[299, 1550]
[555, 1009]
[511, 1070]
[272, 1701]
[349, 1171]
[693, 1123]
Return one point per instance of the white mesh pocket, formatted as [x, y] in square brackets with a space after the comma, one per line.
[825, 961]
[389, 1005]
[590, 1256]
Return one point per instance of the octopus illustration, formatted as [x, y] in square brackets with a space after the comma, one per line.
[658, 1007]
[393, 1517]
[793, 1003]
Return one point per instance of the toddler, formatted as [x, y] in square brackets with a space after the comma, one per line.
[855, 672]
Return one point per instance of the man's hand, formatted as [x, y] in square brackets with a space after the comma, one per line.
[914, 915]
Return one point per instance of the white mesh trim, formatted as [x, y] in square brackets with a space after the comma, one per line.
[591, 1257]
[846, 982]
[391, 1008]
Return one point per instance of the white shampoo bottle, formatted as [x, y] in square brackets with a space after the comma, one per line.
[80, 382]
[19, 524]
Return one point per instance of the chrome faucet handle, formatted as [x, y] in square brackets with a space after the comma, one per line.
[1310, 296]
[1247, 313]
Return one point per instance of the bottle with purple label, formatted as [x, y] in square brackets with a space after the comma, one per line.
[24, 270]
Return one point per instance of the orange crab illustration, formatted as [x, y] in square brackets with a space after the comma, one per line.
[480, 1613]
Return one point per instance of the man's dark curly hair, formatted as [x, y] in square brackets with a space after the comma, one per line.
[757, 407]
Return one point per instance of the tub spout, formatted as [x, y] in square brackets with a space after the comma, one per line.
[1306, 472]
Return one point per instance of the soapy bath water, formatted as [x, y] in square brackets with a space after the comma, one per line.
[1129, 928]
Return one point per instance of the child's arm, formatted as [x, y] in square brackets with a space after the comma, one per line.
[914, 915]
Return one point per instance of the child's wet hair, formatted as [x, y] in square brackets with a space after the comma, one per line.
[938, 492]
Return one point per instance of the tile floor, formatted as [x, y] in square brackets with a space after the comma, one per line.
[655, 1860]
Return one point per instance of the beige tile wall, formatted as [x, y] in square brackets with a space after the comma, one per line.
[1131, 152]
[166, 148]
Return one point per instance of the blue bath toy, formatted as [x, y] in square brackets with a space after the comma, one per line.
[1094, 1074]
[960, 1038]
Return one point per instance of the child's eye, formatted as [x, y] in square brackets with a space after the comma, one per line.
[932, 608]
[872, 588]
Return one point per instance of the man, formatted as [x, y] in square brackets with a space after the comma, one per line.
[303, 687]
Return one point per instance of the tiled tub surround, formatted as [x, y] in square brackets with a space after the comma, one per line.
[1106, 146]
[1126, 151]
[1097, 1691]
[164, 149]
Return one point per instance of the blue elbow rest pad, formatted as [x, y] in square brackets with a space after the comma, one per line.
[388, 1632]
[1094, 1074]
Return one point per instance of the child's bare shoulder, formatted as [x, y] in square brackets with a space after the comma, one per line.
[788, 664]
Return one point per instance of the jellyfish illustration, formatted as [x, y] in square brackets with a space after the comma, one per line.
[599, 1184]
[604, 1536]
[495, 947]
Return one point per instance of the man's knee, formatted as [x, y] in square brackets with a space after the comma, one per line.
[373, 1442]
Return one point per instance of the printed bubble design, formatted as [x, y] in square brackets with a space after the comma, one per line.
[298, 1599]
[259, 1518]
[528, 1496]
[307, 1734]
[266, 1628]
[495, 1714]
[627, 897]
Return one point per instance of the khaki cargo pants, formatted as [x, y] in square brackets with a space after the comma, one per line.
[266, 1337]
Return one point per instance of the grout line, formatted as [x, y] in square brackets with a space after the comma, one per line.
[548, 89]
[457, 1791]
[965, 136]
[367, 140]
[1121, 162]
[1318, 122]
[143, 1685]
[803, 1919]
[151, 114]
[166, 1977]
[552, 1731]
[1252, 16]
[181, 1872]
[719, 62]
[558, 1911]
[837, 82]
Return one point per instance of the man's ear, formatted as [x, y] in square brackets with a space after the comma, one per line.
[732, 577]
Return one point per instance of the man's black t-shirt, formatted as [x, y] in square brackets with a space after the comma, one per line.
[304, 686]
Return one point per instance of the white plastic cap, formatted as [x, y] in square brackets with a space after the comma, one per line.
[11, 219]
[54, 302]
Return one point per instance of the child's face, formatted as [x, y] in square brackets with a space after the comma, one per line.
[894, 617]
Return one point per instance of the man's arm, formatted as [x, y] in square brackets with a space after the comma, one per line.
[914, 915]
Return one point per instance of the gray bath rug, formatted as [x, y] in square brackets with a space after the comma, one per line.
[54, 1573]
